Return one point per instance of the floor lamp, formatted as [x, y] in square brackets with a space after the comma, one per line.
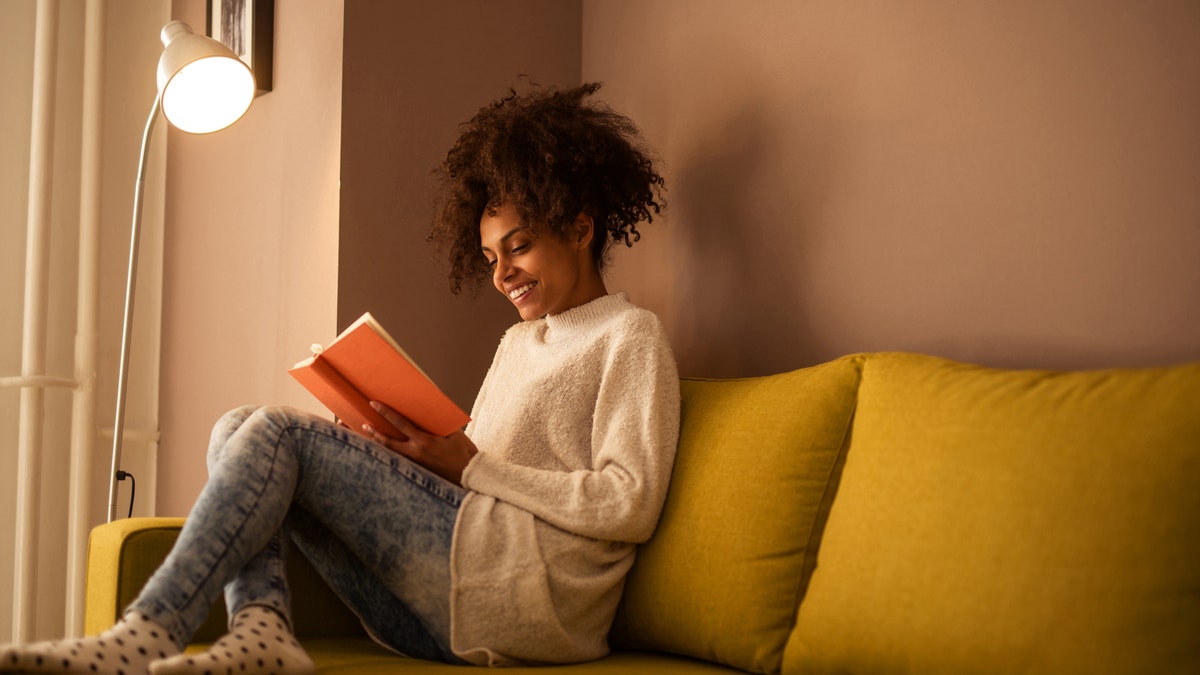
[202, 87]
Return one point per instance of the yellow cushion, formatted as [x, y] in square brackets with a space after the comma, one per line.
[1011, 522]
[729, 562]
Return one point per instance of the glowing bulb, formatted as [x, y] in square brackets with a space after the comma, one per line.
[208, 94]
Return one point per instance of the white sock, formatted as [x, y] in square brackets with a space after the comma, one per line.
[127, 648]
[258, 641]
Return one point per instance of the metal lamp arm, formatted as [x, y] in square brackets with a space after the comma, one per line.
[127, 325]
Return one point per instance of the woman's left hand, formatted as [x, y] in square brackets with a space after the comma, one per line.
[447, 456]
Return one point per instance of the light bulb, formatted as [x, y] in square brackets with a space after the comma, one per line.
[208, 94]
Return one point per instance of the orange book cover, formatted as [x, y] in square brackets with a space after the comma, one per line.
[365, 364]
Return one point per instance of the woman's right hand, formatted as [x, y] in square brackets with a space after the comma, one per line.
[447, 456]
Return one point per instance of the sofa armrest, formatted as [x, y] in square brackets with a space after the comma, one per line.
[124, 553]
[121, 557]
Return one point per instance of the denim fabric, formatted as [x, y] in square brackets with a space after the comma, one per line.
[375, 525]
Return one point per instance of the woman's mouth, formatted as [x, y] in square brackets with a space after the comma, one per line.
[519, 291]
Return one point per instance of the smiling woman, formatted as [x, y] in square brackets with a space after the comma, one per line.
[576, 421]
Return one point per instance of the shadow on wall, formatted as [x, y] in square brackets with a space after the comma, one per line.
[742, 245]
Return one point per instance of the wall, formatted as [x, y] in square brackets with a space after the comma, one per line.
[1006, 183]
[1012, 183]
[413, 71]
[250, 245]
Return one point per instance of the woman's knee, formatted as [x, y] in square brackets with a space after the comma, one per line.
[248, 421]
[225, 427]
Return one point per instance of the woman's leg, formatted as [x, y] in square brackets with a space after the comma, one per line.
[239, 512]
[377, 526]
[264, 456]
[390, 622]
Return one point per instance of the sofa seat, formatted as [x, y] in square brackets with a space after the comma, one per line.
[348, 656]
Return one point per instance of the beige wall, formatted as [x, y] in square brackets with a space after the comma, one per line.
[1013, 183]
[413, 72]
[250, 245]
[1007, 183]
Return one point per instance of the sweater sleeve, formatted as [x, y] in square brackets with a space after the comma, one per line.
[635, 426]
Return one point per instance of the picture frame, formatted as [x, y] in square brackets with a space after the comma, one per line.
[248, 28]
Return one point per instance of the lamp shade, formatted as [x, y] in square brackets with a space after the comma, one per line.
[205, 87]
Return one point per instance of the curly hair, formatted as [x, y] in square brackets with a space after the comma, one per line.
[550, 155]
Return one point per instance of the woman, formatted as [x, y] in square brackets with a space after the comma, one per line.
[502, 544]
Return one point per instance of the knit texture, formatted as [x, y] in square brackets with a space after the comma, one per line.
[576, 423]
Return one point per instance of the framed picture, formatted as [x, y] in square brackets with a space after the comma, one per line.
[248, 28]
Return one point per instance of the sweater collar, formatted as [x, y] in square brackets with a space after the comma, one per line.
[587, 314]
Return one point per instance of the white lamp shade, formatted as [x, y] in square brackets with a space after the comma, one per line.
[205, 87]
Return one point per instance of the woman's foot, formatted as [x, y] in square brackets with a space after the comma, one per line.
[127, 648]
[259, 641]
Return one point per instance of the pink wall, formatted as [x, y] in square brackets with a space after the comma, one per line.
[1012, 183]
[250, 246]
[413, 72]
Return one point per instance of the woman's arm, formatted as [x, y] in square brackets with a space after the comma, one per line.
[635, 427]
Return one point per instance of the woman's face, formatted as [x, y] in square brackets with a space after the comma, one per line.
[540, 274]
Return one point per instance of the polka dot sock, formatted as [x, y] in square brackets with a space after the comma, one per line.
[258, 641]
[125, 649]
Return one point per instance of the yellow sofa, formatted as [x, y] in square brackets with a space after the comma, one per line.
[881, 513]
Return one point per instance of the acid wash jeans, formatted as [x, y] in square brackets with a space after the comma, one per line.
[376, 526]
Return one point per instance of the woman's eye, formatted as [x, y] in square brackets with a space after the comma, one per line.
[489, 263]
[518, 249]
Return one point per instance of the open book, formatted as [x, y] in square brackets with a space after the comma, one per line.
[365, 364]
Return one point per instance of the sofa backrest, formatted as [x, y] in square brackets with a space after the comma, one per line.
[1007, 521]
[968, 520]
[752, 483]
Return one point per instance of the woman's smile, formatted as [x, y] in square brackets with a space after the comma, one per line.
[520, 291]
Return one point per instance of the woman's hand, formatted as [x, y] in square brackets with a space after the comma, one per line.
[447, 456]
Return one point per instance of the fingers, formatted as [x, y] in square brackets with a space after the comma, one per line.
[446, 456]
[397, 420]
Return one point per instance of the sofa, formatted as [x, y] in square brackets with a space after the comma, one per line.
[880, 513]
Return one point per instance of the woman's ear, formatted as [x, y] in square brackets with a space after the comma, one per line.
[584, 230]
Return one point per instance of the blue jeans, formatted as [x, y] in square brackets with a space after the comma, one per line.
[376, 526]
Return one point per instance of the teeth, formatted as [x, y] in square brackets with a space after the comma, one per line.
[518, 292]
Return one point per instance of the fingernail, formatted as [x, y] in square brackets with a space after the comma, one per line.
[376, 405]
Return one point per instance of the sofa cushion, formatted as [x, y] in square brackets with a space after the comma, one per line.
[1011, 522]
[752, 482]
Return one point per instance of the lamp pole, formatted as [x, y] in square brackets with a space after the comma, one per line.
[127, 323]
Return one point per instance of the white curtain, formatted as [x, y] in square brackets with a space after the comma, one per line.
[79, 79]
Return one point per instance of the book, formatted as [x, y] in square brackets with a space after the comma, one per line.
[364, 364]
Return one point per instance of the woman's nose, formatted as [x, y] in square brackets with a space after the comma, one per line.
[501, 270]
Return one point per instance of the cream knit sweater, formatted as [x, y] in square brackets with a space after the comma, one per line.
[576, 424]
